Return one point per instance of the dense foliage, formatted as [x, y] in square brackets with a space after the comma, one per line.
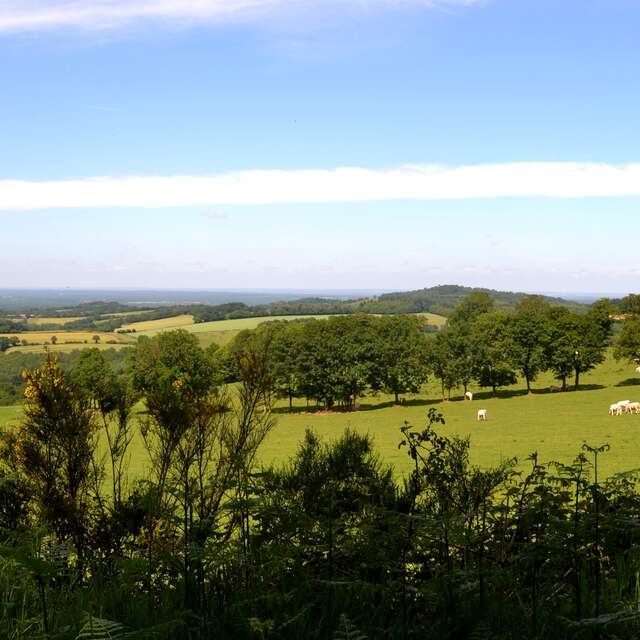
[206, 545]
[13, 364]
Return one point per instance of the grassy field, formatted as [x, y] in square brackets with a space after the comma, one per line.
[60, 321]
[122, 314]
[69, 346]
[553, 424]
[67, 340]
[9, 414]
[434, 319]
[223, 331]
[151, 327]
[219, 331]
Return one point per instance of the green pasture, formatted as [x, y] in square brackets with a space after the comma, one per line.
[223, 331]
[219, 332]
[434, 319]
[9, 414]
[553, 424]
[151, 327]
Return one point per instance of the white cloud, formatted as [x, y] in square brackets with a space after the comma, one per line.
[35, 15]
[345, 184]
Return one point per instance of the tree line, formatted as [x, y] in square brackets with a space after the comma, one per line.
[208, 544]
[337, 360]
[492, 347]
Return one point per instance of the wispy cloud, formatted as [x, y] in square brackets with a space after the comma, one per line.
[346, 184]
[212, 214]
[36, 15]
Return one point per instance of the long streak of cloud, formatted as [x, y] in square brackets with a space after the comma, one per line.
[36, 15]
[346, 184]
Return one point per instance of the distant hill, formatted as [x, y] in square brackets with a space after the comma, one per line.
[443, 299]
[440, 300]
[26, 300]
[108, 316]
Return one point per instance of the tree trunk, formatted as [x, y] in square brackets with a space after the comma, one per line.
[577, 382]
[528, 383]
[494, 390]
[397, 399]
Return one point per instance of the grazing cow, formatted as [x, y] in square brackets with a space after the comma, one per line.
[633, 407]
[468, 395]
[554, 389]
[613, 409]
[482, 414]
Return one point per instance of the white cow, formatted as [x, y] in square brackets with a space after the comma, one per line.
[633, 407]
[637, 369]
[482, 414]
[468, 395]
[619, 408]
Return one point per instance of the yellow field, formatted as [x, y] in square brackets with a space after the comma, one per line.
[66, 340]
[63, 336]
[242, 323]
[123, 314]
[221, 332]
[434, 319]
[61, 321]
[69, 346]
[151, 327]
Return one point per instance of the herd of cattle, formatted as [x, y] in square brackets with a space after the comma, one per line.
[616, 409]
[624, 406]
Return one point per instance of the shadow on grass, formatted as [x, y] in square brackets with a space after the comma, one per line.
[503, 394]
[413, 402]
[570, 389]
[629, 382]
[364, 406]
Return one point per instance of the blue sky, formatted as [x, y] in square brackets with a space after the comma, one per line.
[493, 142]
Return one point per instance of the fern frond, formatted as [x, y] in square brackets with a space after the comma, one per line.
[100, 629]
[348, 630]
